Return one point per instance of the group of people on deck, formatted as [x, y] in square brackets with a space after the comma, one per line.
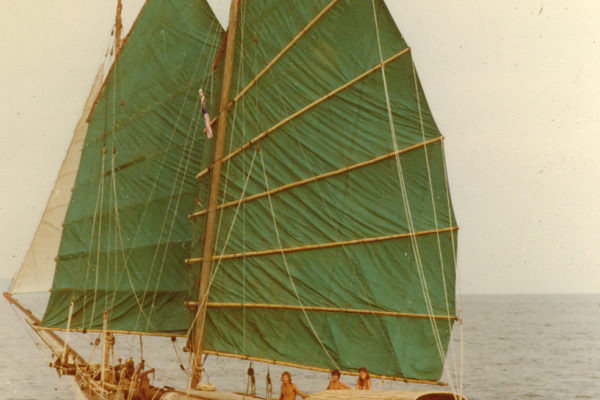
[289, 390]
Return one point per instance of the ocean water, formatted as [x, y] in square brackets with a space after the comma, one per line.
[515, 347]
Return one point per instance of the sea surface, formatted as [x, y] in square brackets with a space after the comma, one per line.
[515, 347]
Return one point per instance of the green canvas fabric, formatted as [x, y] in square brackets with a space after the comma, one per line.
[123, 250]
[350, 127]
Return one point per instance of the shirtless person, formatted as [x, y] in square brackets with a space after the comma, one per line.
[334, 383]
[288, 389]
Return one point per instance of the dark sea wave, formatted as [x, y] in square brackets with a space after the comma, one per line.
[515, 347]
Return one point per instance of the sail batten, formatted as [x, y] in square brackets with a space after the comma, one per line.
[115, 331]
[324, 309]
[325, 245]
[322, 176]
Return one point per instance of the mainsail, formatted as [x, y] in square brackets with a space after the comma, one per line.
[336, 246]
[336, 239]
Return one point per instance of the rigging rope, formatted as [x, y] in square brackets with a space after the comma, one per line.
[234, 119]
[214, 272]
[101, 196]
[149, 198]
[191, 132]
[269, 388]
[216, 269]
[456, 368]
[113, 217]
[312, 328]
[251, 382]
[327, 207]
[414, 243]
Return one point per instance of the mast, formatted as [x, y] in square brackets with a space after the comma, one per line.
[209, 237]
[104, 347]
[118, 27]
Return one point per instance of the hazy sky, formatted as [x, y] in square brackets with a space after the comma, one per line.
[514, 87]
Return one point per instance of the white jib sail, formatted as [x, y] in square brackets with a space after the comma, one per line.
[37, 271]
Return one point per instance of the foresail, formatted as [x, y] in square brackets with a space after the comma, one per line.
[37, 271]
[336, 245]
[127, 232]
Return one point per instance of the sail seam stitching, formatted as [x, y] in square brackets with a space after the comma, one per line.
[321, 176]
[315, 103]
[324, 245]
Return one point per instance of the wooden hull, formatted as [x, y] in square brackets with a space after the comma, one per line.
[87, 386]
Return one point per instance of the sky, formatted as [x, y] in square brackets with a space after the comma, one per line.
[514, 87]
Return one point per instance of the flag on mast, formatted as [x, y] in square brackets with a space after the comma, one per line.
[206, 116]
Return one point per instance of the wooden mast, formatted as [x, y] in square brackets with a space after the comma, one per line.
[209, 233]
[118, 27]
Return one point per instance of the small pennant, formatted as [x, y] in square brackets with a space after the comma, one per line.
[206, 116]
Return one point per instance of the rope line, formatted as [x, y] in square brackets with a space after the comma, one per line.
[410, 222]
[190, 132]
[287, 267]
[216, 269]
[327, 207]
[127, 256]
[233, 127]
[435, 216]
[101, 195]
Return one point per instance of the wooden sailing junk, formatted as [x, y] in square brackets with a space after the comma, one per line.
[314, 231]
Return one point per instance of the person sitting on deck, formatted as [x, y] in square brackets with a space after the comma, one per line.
[288, 389]
[334, 383]
[364, 381]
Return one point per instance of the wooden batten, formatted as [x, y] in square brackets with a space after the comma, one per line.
[324, 245]
[112, 331]
[305, 109]
[325, 309]
[322, 176]
[318, 369]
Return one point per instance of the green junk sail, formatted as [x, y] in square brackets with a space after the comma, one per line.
[126, 232]
[336, 239]
[321, 249]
